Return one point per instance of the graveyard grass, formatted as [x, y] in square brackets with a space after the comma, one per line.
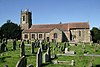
[12, 57]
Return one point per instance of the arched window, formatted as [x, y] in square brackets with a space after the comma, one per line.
[55, 35]
[40, 35]
[33, 36]
[23, 18]
[79, 33]
[26, 36]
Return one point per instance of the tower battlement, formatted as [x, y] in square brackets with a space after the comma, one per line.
[25, 19]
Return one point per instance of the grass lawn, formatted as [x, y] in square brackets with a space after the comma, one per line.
[11, 57]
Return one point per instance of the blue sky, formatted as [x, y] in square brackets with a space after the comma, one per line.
[52, 11]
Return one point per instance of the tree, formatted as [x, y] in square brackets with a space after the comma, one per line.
[95, 32]
[0, 32]
[10, 30]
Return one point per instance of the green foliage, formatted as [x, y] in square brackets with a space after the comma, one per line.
[10, 30]
[95, 32]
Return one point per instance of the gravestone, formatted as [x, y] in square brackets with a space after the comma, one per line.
[32, 47]
[19, 45]
[22, 62]
[37, 43]
[73, 63]
[39, 58]
[3, 47]
[64, 45]
[83, 46]
[53, 50]
[4, 41]
[0, 40]
[14, 44]
[45, 57]
[66, 50]
[72, 43]
[22, 49]
[28, 42]
[48, 53]
[6, 65]
[41, 45]
[91, 42]
[53, 55]
[30, 65]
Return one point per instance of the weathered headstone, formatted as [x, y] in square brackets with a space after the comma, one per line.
[19, 45]
[41, 45]
[37, 43]
[83, 46]
[14, 44]
[3, 47]
[32, 47]
[66, 50]
[4, 41]
[73, 63]
[39, 58]
[64, 45]
[53, 55]
[22, 62]
[91, 42]
[45, 57]
[91, 65]
[0, 40]
[27, 41]
[72, 43]
[48, 53]
[53, 50]
[6, 65]
[22, 49]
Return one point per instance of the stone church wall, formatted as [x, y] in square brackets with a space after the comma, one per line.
[59, 35]
[83, 36]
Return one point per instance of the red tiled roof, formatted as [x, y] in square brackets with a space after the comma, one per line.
[79, 25]
[59, 26]
[38, 30]
[63, 27]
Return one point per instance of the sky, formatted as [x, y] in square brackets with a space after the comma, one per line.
[52, 11]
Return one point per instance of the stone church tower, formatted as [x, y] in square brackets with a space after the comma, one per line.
[25, 19]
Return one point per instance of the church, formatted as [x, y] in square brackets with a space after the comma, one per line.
[66, 32]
